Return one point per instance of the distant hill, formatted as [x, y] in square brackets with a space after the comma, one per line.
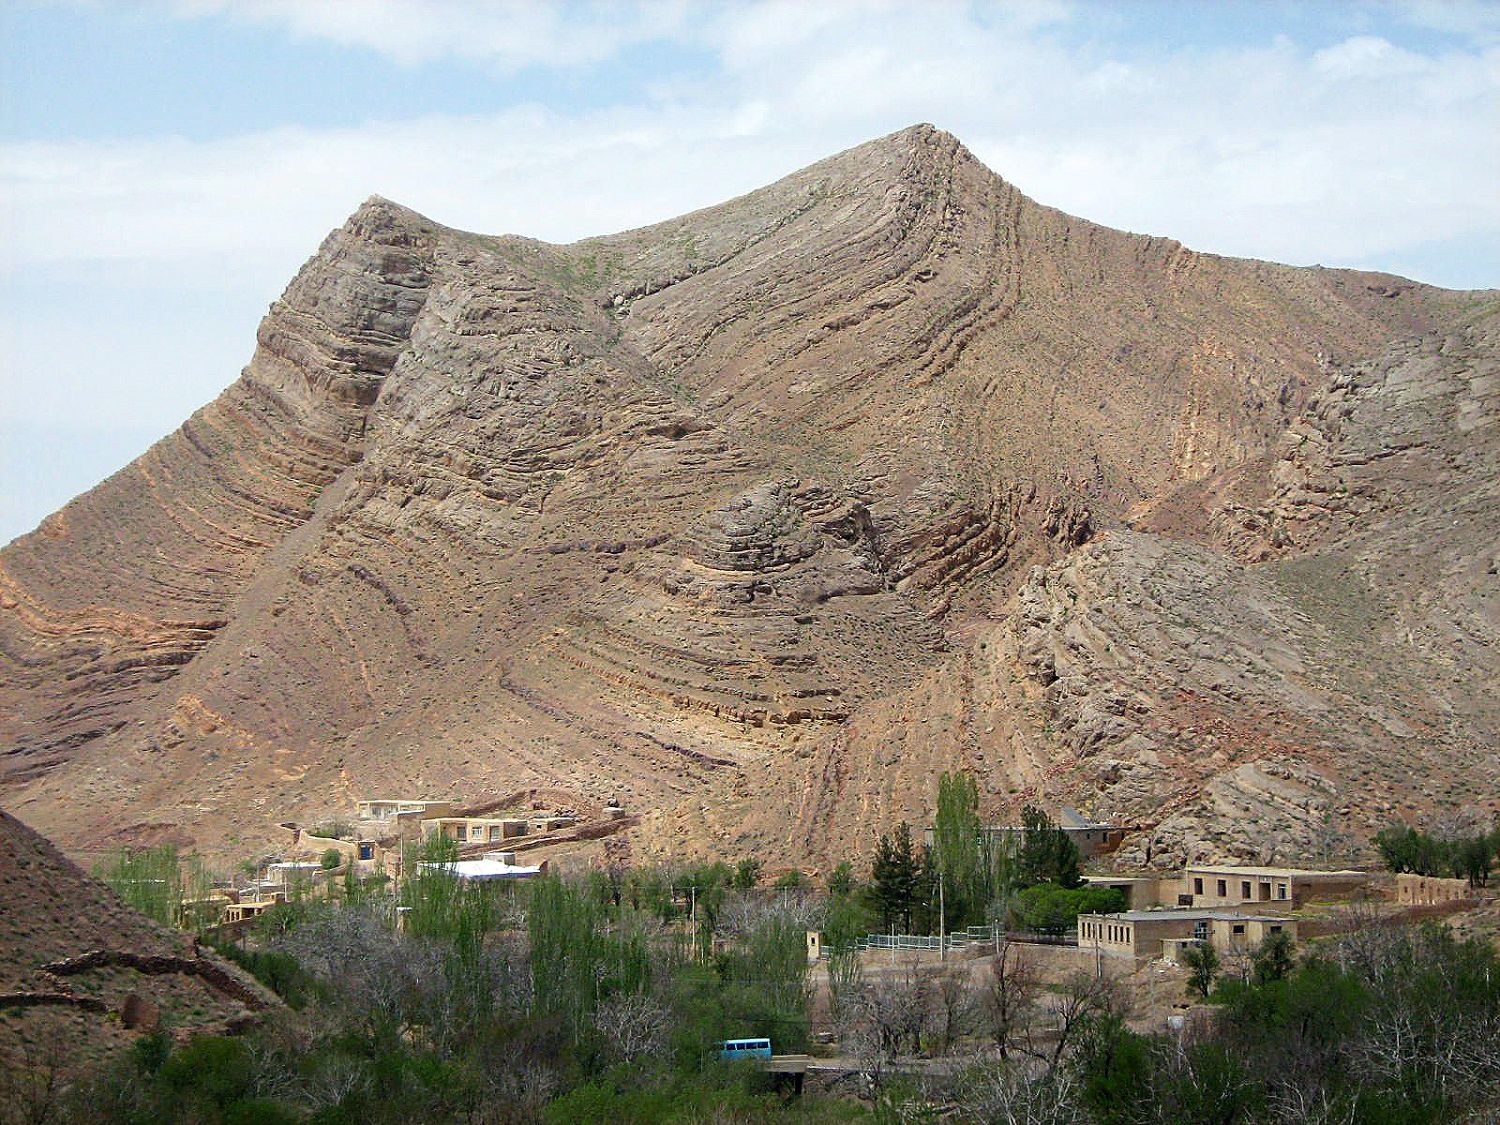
[759, 518]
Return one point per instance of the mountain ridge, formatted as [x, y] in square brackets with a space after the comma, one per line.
[652, 514]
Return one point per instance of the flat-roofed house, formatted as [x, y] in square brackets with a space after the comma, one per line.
[487, 870]
[475, 829]
[379, 810]
[1147, 934]
[1286, 887]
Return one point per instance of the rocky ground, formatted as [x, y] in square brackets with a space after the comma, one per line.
[82, 974]
[758, 518]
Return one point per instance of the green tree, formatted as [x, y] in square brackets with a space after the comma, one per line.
[149, 879]
[746, 874]
[1202, 963]
[1051, 909]
[894, 878]
[957, 855]
[842, 881]
[1274, 959]
[332, 860]
[1046, 854]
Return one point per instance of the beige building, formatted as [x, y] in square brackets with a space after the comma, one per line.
[379, 810]
[475, 829]
[1427, 890]
[1148, 934]
[1142, 892]
[1286, 887]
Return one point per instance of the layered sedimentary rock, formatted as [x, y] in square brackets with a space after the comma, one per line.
[738, 518]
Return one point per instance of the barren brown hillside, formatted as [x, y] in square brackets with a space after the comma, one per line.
[72, 957]
[759, 517]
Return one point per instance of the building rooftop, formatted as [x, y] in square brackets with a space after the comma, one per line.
[484, 869]
[1273, 872]
[1187, 916]
[1123, 878]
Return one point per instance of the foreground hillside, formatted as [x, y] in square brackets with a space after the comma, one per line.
[758, 518]
[82, 974]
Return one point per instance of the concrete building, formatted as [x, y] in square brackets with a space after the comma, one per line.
[1142, 892]
[475, 829]
[1285, 887]
[1092, 838]
[381, 810]
[1148, 934]
[1428, 890]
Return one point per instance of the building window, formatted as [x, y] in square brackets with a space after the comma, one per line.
[1281, 890]
[1223, 889]
[1276, 929]
[1197, 886]
[1239, 927]
[367, 851]
[1200, 931]
[461, 832]
[1244, 889]
[494, 832]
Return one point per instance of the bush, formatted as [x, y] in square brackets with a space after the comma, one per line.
[1052, 909]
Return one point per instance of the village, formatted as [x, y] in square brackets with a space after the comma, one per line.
[968, 968]
[1146, 944]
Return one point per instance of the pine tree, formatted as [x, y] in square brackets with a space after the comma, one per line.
[893, 878]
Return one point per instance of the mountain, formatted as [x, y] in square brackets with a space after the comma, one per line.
[758, 518]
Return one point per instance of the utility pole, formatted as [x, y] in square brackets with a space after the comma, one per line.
[942, 922]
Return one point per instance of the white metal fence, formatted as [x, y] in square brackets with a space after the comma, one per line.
[960, 939]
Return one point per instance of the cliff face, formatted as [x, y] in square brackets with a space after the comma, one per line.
[739, 518]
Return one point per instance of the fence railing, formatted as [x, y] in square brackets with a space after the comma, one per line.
[960, 939]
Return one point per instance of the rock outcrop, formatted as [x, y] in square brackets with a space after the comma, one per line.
[739, 517]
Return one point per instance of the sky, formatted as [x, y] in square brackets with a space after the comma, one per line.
[167, 165]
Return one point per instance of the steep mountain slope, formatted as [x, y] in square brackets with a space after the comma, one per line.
[72, 957]
[709, 516]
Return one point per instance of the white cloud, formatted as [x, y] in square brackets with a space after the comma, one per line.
[510, 33]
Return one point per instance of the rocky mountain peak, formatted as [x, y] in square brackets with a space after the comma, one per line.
[758, 518]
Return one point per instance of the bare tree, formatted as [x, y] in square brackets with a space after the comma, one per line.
[1368, 945]
[1307, 1103]
[954, 1007]
[634, 1024]
[31, 1091]
[335, 1080]
[1010, 995]
[746, 912]
[1085, 998]
[887, 1012]
[1005, 1093]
